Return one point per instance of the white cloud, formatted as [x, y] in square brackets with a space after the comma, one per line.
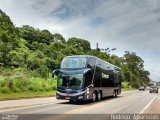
[127, 25]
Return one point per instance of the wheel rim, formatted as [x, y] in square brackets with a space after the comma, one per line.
[94, 97]
[99, 96]
[114, 94]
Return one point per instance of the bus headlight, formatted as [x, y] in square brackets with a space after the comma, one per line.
[80, 93]
[80, 97]
[87, 90]
[58, 92]
[87, 96]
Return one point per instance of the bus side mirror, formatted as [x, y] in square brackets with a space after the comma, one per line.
[58, 67]
[86, 70]
[55, 72]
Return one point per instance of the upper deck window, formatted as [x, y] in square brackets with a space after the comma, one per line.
[74, 62]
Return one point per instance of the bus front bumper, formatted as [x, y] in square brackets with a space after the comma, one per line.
[75, 97]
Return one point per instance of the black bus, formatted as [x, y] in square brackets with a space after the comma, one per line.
[85, 77]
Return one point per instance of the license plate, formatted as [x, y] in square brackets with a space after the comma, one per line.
[67, 98]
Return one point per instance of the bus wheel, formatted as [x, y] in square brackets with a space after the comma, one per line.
[71, 101]
[114, 94]
[117, 92]
[99, 96]
[93, 97]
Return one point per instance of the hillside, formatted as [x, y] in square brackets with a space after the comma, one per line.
[28, 53]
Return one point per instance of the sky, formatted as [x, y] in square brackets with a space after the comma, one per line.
[132, 25]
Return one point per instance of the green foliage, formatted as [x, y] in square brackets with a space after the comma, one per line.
[80, 44]
[31, 35]
[58, 37]
[125, 84]
[4, 90]
[28, 55]
[133, 70]
[13, 85]
[9, 40]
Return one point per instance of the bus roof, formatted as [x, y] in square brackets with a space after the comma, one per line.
[95, 58]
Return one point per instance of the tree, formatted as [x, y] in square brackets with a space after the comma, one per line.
[30, 34]
[79, 44]
[9, 39]
[133, 68]
[133, 61]
[40, 51]
[59, 37]
[46, 37]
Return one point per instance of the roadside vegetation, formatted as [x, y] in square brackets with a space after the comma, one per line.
[28, 56]
[126, 86]
[20, 83]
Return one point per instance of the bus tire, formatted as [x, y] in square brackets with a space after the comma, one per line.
[117, 92]
[99, 96]
[114, 93]
[71, 101]
[93, 97]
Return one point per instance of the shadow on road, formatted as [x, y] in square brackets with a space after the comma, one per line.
[89, 102]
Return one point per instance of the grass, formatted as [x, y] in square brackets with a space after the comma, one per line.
[128, 89]
[12, 96]
[126, 86]
[17, 85]
[8, 86]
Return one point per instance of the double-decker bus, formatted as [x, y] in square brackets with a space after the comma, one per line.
[85, 77]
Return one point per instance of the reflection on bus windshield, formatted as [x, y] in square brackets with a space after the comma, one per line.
[74, 62]
[74, 81]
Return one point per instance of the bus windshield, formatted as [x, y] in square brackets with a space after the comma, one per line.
[74, 62]
[74, 81]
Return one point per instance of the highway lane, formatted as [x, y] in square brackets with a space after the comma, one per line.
[130, 102]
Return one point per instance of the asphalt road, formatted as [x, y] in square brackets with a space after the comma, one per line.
[129, 102]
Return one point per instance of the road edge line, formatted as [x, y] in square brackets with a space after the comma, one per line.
[142, 111]
[25, 107]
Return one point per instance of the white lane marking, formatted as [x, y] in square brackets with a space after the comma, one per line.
[126, 91]
[142, 111]
[158, 97]
[129, 91]
[26, 107]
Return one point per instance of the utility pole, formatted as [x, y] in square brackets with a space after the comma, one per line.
[97, 45]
